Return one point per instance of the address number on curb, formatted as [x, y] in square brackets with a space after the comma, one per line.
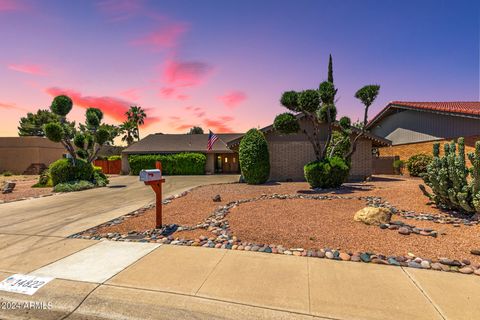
[25, 284]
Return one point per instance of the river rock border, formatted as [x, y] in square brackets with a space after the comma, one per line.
[217, 223]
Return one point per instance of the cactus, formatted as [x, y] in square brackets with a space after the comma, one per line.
[448, 177]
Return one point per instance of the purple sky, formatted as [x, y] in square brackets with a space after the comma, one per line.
[223, 65]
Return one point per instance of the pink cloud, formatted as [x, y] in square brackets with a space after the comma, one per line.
[131, 94]
[112, 107]
[233, 98]
[186, 73]
[28, 68]
[219, 125]
[184, 127]
[11, 5]
[165, 37]
[197, 111]
[10, 106]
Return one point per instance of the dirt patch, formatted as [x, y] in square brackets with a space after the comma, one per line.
[23, 188]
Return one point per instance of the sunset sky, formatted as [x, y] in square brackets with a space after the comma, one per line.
[222, 64]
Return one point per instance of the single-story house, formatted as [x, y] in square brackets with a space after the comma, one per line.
[220, 159]
[28, 155]
[288, 153]
[414, 126]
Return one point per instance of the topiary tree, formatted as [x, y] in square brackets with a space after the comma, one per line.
[87, 140]
[254, 157]
[32, 124]
[318, 107]
[195, 130]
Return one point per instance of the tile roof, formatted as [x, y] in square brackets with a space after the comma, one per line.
[171, 143]
[456, 108]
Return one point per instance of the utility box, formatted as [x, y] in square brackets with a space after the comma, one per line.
[150, 175]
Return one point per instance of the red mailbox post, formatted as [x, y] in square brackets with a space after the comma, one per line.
[154, 179]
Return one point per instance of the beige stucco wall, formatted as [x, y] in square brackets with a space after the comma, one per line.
[210, 164]
[18, 153]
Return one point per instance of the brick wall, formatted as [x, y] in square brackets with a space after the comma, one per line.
[405, 151]
[287, 159]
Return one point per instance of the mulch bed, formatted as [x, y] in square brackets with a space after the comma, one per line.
[290, 218]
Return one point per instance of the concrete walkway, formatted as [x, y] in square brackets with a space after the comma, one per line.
[69, 213]
[172, 282]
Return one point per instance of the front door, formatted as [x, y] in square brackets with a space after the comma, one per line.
[228, 162]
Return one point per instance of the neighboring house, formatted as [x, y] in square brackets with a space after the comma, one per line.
[414, 126]
[288, 153]
[219, 160]
[28, 155]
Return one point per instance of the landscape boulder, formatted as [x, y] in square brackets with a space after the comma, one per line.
[8, 187]
[373, 215]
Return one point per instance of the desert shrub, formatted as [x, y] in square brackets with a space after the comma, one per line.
[454, 186]
[63, 171]
[172, 164]
[254, 158]
[417, 164]
[72, 186]
[113, 158]
[398, 166]
[329, 173]
[7, 174]
[44, 180]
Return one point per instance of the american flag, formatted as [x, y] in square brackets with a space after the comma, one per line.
[212, 137]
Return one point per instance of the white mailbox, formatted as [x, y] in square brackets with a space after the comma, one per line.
[150, 175]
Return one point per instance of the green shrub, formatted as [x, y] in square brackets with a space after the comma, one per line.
[72, 186]
[398, 166]
[113, 158]
[44, 180]
[63, 171]
[172, 164]
[254, 158]
[417, 164]
[99, 178]
[330, 173]
[7, 174]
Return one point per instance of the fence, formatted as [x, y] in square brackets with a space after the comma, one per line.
[109, 166]
[384, 165]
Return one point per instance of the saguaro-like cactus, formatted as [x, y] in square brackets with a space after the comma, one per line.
[448, 177]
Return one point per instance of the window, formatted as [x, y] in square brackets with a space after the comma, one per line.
[226, 160]
[234, 159]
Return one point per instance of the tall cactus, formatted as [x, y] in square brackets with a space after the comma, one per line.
[448, 177]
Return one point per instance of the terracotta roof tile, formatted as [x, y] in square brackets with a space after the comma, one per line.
[453, 107]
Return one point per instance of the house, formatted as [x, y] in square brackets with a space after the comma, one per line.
[220, 159]
[414, 126]
[28, 155]
[288, 153]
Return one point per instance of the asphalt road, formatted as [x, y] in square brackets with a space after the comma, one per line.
[65, 214]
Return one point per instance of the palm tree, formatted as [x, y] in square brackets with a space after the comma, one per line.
[136, 115]
[129, 131]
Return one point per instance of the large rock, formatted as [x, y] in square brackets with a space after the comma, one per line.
[8, 187]
[373, 215]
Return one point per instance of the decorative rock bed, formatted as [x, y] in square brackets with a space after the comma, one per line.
[217, 223]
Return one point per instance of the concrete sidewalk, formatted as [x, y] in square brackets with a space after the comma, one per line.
[173, 282]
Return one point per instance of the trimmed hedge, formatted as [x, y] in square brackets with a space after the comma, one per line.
[63, 171]
[254, 158]
[329, 173]
[172, 164]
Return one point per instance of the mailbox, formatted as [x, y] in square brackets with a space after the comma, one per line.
[150, 175]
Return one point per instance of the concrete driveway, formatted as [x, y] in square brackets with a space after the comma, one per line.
[69, 213]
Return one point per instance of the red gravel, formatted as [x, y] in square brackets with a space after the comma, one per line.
[317, 223]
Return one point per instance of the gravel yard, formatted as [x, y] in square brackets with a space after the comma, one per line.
[23, 188]
[313, 224]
